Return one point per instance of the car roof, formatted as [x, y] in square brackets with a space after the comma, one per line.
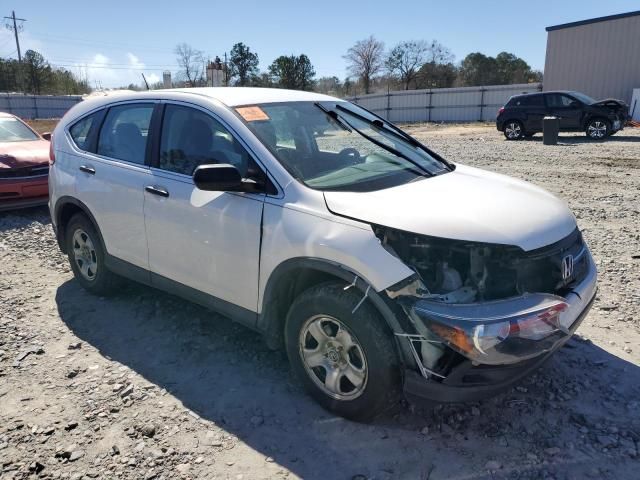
[234, 96]
[6, 115]
[230, 96]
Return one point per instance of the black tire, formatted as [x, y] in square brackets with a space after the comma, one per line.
[329, 301]
[598, 128]
[101, 281]
[513, 130]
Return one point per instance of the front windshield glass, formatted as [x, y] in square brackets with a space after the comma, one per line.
[329, 148]
[13, 130]
[583, 98]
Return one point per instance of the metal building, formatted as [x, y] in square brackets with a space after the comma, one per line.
[600, 56]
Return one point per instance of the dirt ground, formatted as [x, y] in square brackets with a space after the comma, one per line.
[147, 386]
[42, 126]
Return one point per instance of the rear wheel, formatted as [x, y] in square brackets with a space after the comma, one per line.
[86, 256]
[597, 129]
[345, 360]
[513, 130]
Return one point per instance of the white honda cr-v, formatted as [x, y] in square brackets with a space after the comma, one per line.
[377, 264]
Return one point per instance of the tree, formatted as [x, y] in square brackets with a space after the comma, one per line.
[478, 69]
[436, 75]
[505, 68]
[365, 60]
[328, 85]
[439, 54]
[405, 59]
[191, 63]
[293, 72]
[38, 72]
[512, 69]
[243, 63]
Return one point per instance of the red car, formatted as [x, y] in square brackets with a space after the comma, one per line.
[24, 164]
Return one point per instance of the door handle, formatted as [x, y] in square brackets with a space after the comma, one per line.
[156, 191]
[89, 170]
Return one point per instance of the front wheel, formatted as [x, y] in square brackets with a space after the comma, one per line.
[345, 360]
[513, 130]
[597, 129]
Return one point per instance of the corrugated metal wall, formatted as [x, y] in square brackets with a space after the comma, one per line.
[601, 59]
[37, 106]
[465, 104]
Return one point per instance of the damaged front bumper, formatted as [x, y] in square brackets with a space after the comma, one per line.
[468, 352]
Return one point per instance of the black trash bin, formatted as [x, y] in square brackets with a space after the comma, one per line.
[550, 130]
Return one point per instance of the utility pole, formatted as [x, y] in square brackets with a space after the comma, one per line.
[226, 71]
[15, 31]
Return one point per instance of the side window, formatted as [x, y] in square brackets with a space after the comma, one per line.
[191, 138]
[536, 101]
[81, 130]
[557, 100]
[124, 132]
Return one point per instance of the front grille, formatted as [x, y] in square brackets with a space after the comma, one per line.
[24, 172]
[541, 270]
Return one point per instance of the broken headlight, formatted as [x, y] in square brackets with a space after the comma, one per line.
[455, 271]
[498, 332]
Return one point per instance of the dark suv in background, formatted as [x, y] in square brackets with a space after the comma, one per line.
[522, 115]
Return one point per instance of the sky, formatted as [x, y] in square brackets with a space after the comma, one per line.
[114, 41]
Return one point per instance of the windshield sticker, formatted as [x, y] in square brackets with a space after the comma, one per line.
[252, 114]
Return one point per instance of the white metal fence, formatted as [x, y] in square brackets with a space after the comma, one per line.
[463, 104]
[37, 106]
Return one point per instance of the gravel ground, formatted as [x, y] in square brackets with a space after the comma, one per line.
[144, 385]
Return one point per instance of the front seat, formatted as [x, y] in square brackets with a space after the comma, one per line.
[196, 139]
[129, 143]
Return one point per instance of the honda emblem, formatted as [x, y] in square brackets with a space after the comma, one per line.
[567, 267]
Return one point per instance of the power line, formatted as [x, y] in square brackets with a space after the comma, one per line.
[111, 45]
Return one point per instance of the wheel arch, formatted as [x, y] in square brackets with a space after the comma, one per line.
[295, 275]
[66, 207]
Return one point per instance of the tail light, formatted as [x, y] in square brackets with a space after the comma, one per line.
[52, 153]
[501, 110]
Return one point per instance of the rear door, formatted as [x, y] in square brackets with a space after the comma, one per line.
[535, 111]
[207, 241]
[111, 179]
[566, 108]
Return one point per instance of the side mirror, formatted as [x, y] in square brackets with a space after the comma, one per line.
[223, 177]
[220, 177]
[46, 136]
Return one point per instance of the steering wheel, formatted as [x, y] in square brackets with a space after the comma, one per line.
[350, 153]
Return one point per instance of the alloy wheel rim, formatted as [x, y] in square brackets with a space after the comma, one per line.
[597, 129]
[333, 357]
[513, 130]
[84, 254]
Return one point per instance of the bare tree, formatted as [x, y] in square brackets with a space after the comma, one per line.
[439, 54]
[406, 58]
[191, 63]
[365, 60]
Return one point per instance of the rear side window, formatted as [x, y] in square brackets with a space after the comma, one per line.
[527, 101]
[81, 130]
[125, 131]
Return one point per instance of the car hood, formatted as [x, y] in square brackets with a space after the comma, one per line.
[23, 154]
[466, 204]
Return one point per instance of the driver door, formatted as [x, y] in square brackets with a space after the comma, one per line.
[205, 241]
[566, 108]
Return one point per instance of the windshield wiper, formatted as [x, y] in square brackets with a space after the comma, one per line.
[381, 123]
[334, 116]
[345, 124]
